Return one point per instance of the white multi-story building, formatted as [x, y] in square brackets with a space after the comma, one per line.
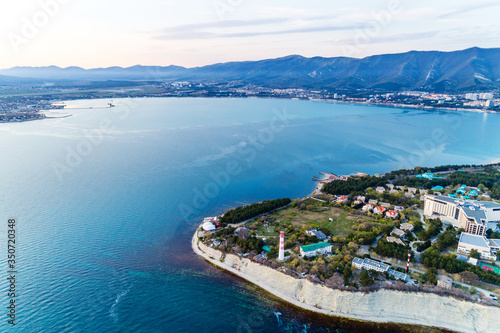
[378, 266]
[487, 248]
[474, 216]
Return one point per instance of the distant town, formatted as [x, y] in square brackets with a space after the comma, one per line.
[20, 103]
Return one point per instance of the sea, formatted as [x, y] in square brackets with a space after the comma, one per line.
[106, 200]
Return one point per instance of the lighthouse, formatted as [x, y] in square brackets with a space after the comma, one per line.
[281, 255]
[408, 262]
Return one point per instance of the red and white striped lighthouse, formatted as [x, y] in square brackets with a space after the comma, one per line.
[408, 263]
[281, 255]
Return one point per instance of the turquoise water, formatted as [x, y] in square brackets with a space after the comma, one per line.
[107, 201]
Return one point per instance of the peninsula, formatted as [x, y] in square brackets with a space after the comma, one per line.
[403, 247]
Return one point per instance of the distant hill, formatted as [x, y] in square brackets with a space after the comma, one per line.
[470, 69]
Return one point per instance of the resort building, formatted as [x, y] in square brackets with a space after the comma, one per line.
[313, 250]
[474, 216]
[487, 248]
[378, 266]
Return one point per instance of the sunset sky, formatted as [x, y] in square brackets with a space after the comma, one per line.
[191, 33]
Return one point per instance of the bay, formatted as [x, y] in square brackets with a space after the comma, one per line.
[107, 201]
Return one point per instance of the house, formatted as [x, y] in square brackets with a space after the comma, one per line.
[378, 266]
[487, 248]
[379, 210]
[396, 240]
[391, 214]
[445, 282]
[367, 208]
[380, 189]
[409, 195]
[390, 186]
[407, 227]
[398, 232]
[393, 191]
[357, 202]
[372, 201]
[361, 198]
[315, 232]
[342, 199]
[385, 204]
[313, 250]
[399, 208]
[401, 188]
[412, 190]
[422, 191]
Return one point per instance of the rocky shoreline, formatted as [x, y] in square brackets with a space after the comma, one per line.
[380, 306]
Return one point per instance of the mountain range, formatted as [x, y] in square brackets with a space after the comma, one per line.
[470, 69]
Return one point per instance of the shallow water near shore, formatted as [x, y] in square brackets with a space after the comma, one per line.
[107, 201]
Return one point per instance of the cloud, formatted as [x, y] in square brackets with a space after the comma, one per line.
[226, 29]
[469, 9]
[393, 37]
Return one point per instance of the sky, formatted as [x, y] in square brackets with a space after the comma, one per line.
[92, 33]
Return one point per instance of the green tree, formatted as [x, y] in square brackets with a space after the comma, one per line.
[347, 274]
[365, 278]
[475, 254]
[431, 275]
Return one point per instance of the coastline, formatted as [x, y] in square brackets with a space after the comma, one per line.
[384, 306]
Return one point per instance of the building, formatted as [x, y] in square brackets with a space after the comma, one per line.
[487, 248]
[379, 210]
[208, 224]
[281, 253]
[407, 227]
[313, 250]
[378, 266]
[391, 214]
[396, 240]
[342, 199]
[445, 282]
[373, 202]
[398, 232]
[474, 216]
[380, 189]
[315, 232]
[361, 198]
[385, 204]
[367, 208]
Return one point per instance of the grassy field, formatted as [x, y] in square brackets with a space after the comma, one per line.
[342, 221]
